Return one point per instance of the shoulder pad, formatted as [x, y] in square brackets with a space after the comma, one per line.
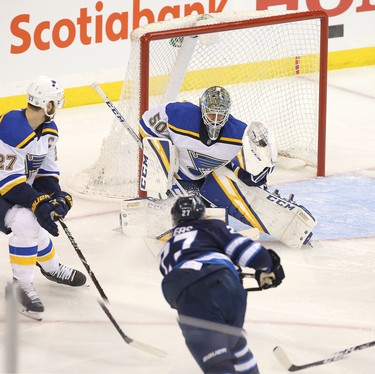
[15, 130]
[50, 128]
[184, 116]
[234, 131]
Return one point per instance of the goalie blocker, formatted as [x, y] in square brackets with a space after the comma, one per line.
[159, 163]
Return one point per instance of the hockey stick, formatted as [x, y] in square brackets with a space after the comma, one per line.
[243, 275]
[144, 347]
[115, 111]
[288, 365]
[122, 119]
[82, 258]
[212, 326]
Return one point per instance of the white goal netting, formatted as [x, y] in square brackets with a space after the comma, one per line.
[270, 62]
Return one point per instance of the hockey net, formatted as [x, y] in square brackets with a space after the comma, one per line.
[272, 63]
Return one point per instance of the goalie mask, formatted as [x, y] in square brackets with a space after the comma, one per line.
[43, 90]
[188, 208]
[215, 104]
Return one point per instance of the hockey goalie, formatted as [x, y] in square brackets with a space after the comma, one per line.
[203, 149]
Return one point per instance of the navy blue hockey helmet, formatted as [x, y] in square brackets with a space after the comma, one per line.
[188, 208]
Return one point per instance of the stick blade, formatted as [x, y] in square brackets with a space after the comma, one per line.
[133, 343]
[149, 349]
[283, 358]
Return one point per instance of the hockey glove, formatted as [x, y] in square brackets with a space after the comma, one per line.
[46, 210]
[274, 277]
[253, 180]
[65, 200]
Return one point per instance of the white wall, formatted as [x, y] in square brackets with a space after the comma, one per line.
[66, 40]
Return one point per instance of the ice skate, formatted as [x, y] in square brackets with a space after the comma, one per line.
[65, 275]
[29, 303]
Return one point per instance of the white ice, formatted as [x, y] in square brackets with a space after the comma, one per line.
[325, 304]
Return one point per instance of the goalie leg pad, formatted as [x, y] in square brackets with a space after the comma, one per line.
[224, 193]
[146, 217]
[282, 219]
[134, 217]
[151, 218]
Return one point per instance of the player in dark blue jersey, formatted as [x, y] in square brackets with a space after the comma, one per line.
[201, 281]
[30, 193]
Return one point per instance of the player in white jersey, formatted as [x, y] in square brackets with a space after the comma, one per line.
[30, 195]
[207, 137]
[209, 141]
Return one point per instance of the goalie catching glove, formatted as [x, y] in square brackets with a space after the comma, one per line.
[274, 277]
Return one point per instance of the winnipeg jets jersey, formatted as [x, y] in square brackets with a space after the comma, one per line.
[211, 242]
[182, 123]
[25, 154]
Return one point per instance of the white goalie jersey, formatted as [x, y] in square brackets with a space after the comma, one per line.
[198, 155]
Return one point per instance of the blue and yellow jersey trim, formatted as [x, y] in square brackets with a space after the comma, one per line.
[227, 140]
[144, 131]
[10, 182]
[26, 141]
[47, 173]
[180, 131]
[50, 131]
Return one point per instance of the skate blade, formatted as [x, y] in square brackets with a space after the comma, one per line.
[37, 316]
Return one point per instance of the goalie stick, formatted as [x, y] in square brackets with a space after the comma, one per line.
[142, 346]
[288, 365]
[122, 119]
[115, 111]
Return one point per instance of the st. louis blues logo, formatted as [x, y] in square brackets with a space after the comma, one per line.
[33, 163]
[203, 163]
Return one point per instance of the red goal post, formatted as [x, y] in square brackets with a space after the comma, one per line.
[274, 65]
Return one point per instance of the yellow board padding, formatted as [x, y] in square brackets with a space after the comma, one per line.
[85, 95]
[351, 58]
[238, 74]
[75, 96]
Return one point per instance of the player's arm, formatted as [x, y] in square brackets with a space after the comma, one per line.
[245, 252]
[42, 205]
[248, 178]
[13, 186]
[15, 190]
[47, 180]
[154, 123]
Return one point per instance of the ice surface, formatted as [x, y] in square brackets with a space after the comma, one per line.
[325, 304]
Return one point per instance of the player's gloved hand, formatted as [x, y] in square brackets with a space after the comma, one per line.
[274, 277]
[254, 180]
[46, 211]
[65, 199]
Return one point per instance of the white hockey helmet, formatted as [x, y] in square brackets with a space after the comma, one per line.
[215, 104]
[42, 90]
